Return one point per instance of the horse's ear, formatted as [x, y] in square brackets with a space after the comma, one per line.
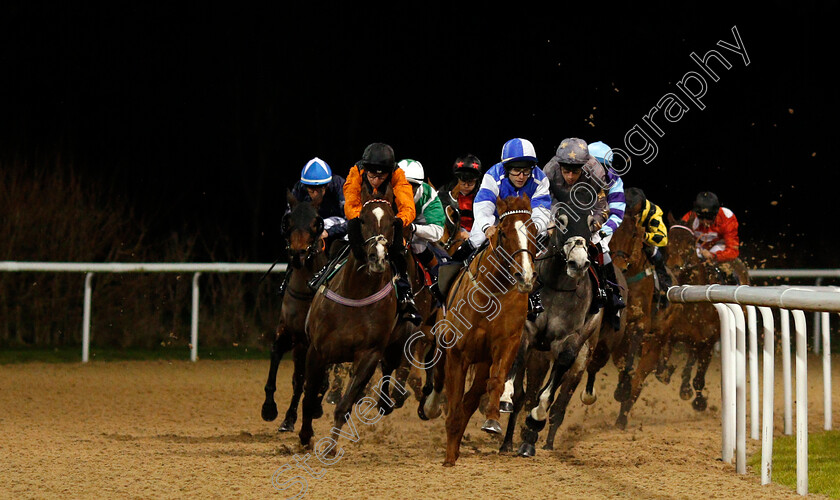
[671, 219]
[365, 194]
[290, 198]
[561, 222]
[501, 205]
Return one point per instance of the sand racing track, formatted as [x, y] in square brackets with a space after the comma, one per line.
[189, 430]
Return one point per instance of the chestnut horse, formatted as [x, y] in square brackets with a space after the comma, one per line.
[302, 228]
[353, 318]
[481, 327]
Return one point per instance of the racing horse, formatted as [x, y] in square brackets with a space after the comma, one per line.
[482, 323]
[564, 330]
[628, 254]
[301, 228]
[353, 319]
[695, 325]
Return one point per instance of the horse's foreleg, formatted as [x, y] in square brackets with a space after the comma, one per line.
[568, 387]
[282, 343]
[298, 377]
[663, 369]
[704, 357]
[599, 360]
[363, 368]
[685, 386]
[430, 404]
[518, 402]
[473, 397]
[506, 400]
[647, 363]
[337, 385]
[502, 361]
[456, 372]
[625, 376]
[315, 372]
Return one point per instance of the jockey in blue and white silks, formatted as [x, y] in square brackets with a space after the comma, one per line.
[515, 175]
[497, 184]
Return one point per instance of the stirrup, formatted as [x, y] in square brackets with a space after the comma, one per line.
[535, 307]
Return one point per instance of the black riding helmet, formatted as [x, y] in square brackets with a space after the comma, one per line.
[467, 168]
[378, 158]
[635, 196]
[706, 205]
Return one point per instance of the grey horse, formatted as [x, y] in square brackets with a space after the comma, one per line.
[565, 330]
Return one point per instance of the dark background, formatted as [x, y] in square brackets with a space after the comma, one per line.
[201, 114]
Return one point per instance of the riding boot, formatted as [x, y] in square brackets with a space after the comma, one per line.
[405, 297]
[615, 303]
[662, 277]
[535, 307]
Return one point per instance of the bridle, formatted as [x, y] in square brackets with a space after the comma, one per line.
[502, 235]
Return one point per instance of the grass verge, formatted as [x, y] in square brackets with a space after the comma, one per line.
[823, 463]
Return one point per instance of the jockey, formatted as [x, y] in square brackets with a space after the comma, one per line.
[574, 162]
[460, 192]
[715, 228]
[323, 190]
[427, 227]
[656, 235]
[378, 166]
[515, 175]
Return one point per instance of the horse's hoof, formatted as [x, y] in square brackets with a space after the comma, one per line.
[548, 446]
[492, 426]
[421, 413]
[699, 403]
[587, 398]
[386, 409]
[527, 450]
[622, 392]
[318, 413]
[664, 375]
[506, 407]
[332, 397]
[686, 393]
[506, 447]
[621, 422]
[269, 411]
[448, 464]
[287, 426]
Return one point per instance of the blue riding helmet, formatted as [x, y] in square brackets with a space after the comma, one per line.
[518, 150]
[316, 173]
[601, 152]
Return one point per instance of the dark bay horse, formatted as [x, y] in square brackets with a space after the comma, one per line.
[353, 319]
[564, 330]
[481, 327]
[695, 325]
[302, 228]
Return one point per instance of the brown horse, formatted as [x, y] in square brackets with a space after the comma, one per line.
[482, 325]
[354, 319]
[628, 254]
[302, 228]
[695, 325]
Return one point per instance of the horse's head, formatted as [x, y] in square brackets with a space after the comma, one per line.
[301, 228]
[682, 253]
[572, 234]
[377, 218]
[626, 245]
[516, 237]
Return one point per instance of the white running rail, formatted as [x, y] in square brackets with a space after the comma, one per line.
[115, 267]
[727, 299]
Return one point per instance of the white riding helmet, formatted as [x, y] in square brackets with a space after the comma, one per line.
[413, 171]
